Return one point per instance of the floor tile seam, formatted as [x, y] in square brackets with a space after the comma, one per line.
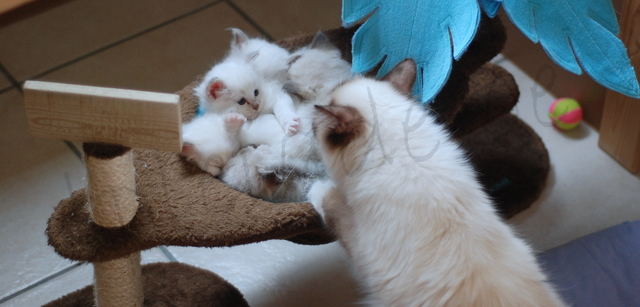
[6, 89]
[14, 83]
[122, 41]
[40, 282]
[167, 253]
[74, 149]
[249, 20]
[500, 60]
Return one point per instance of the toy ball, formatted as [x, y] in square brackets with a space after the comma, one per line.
[565, 113]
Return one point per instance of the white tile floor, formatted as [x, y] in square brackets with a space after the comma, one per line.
[587, 191]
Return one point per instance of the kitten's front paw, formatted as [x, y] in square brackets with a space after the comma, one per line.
[213, 167]
[292, 126]
[189, 151]
[234, 121]
[319, 189]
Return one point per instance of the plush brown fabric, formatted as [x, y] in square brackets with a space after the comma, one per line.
[512, 163]
[488, 85]
[171, 284]
[104, 151]
[179, 205]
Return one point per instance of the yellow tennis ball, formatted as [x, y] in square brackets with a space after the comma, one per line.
[565, 113]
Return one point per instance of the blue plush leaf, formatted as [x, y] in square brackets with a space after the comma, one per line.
[432, 32]
[577, 33]
[491, 7]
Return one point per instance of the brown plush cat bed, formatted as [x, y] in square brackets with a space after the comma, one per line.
[177, 283]
[184, 206]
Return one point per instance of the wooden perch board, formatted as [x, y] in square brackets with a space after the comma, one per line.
[103, 115]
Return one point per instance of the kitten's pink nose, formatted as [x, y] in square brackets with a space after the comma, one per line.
[255, 106]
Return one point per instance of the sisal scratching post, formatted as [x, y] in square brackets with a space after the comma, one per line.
[108, 122]
[112, 195]
[118, 282]
[112, 200]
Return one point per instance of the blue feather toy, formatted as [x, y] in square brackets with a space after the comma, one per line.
[576, 34]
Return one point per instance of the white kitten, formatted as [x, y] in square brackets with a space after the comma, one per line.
[270, 62]
[265, 130]
[408, 209]
[313, 72]
[281, 168]
[249, 81]
[316, 69]
[211, 140]
[277, 170]
[260, 172]
[231, 86]
[279, 165]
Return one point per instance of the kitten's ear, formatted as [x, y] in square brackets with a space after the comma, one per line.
[293, 59]
[346, 120]
[402, 76]
[321, 41]
[216, 89]
[239, 38]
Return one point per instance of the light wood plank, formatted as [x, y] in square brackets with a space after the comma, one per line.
[103, 115]
[8, 5]
[620, 126]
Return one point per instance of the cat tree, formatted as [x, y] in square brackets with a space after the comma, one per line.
[109, 122]
[142, 194]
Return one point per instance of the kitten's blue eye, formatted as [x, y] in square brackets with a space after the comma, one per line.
[256, 93]
[242, 101]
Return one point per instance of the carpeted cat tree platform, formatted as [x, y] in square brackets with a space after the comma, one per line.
[180, 205]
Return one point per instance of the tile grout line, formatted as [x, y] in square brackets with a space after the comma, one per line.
[124, 40]
[4, 90]
[40, 282]
[168, 253]
[249, 19]
[14, 83]
[75, 150]
[500, 60]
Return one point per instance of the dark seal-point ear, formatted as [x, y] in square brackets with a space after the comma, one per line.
[344, 124]
[321, 41]
[402, 76]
